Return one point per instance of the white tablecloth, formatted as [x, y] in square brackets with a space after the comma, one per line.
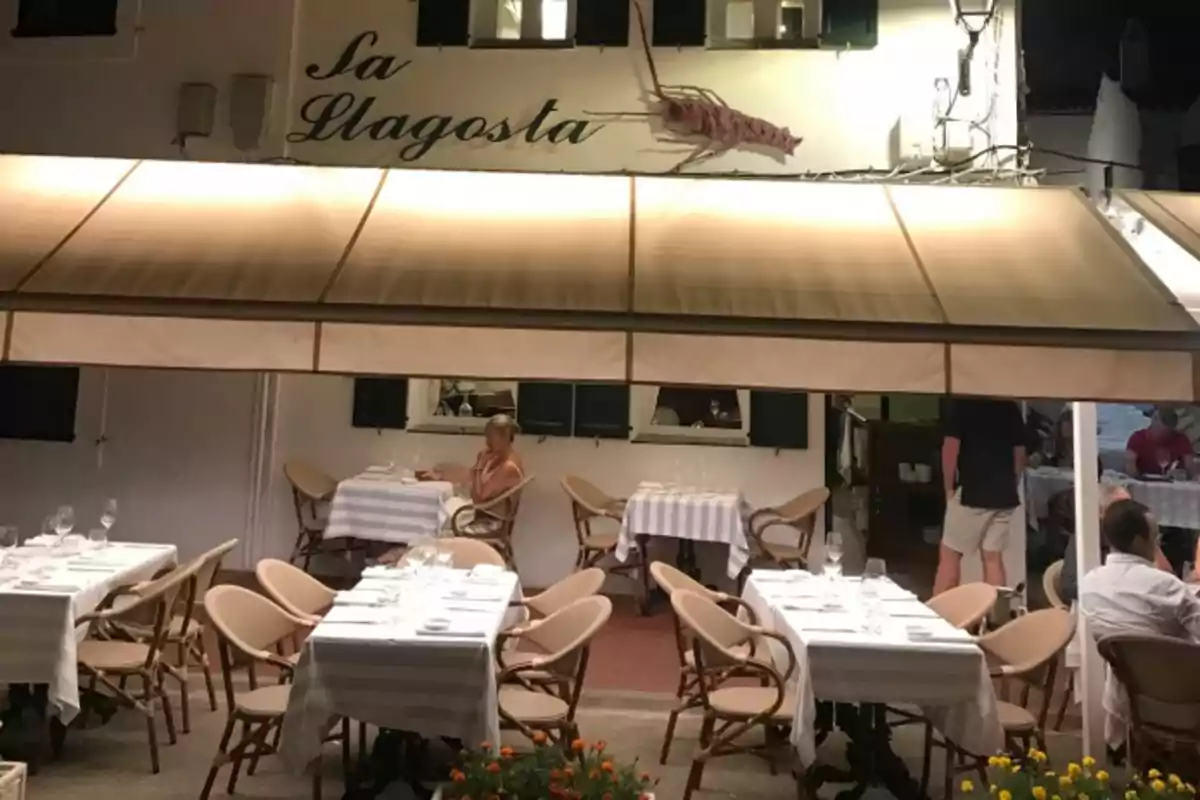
[1173, 503]
[683, 513]
[38, 635]
[371, 663]
[381, 507]
[946, 675]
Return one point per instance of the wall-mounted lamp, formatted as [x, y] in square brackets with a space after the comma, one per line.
[973, 16]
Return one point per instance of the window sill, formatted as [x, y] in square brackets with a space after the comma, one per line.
[764, 44]
[467, 426]
[698, 436]
[523, 44]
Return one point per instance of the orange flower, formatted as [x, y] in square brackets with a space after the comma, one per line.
[645, 777]
[540, 737]
[506, 752]
[578, 745]
[600, 745]
[493, 767]
[594, 774]
[607, 766]
[568, 771]
[457, 775]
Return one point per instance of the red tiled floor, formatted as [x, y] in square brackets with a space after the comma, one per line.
[635, 653]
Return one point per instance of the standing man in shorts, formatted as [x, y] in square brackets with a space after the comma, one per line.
[983, 456]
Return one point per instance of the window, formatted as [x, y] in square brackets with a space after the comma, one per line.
[443, 23]
[458, 405]
[780, 23]
[679, 23]
[602, 23]
[508, 21]
[850, 23]
[380, 403]
[779, 419]
[584, 410]
[52, 18]
[38, 403]
[691, 415]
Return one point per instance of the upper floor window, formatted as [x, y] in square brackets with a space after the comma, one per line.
[459, 405]
[691, 415]
[766, 23]
[522, 23]
[53, 18]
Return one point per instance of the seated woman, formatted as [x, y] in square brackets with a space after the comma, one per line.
[498, 468]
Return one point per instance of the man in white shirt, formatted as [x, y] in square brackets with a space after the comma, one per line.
[1129, 594]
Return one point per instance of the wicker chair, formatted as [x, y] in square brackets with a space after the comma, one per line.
[1158, 674]
[249, 625]
[800, 514]
[294, 590]
[671, 579]
[312, 490]
[1052, 585]
[492, 521]
[717, 637]
[111, 662]
[562, 643]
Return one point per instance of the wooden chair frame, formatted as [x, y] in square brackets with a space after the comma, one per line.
[799, 514]
[498, 509]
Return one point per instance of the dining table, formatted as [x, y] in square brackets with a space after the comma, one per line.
[868, 645]
[44, 588]
[406, 649]
[386, 505]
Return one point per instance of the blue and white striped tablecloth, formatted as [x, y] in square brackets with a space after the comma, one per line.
[383, 508]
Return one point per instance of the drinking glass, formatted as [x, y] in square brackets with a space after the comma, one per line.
[98, 537]
[8, 541]
[444, 560]
[833, 554]
[108, 517]
[64, 521]
[875, 569]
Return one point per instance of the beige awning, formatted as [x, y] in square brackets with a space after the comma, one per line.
[1175, 213]
[724, 281]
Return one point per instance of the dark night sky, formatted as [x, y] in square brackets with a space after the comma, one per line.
[1069, 42]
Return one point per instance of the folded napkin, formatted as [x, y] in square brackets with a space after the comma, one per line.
[42, 540]
[781, 575]
[356, 615]
[56, 586]
[383, 571]
[357, 597]
[457, 631]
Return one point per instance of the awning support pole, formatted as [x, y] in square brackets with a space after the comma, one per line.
[1087, 555]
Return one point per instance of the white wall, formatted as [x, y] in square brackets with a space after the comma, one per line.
[117, 97]
[313, 423]
[853, 109]
[1068, 133]
[177, 460]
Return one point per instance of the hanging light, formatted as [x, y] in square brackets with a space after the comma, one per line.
[973, 16]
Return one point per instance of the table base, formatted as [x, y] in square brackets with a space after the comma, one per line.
[396, 757]
[685, 559]
[31, 732]
[869, 753]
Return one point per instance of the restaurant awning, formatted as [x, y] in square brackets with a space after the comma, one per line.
[726, 281]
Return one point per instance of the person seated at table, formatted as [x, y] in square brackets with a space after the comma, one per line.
[1129, 594]
[498, 468]
[1063, 509]
[1159, 447]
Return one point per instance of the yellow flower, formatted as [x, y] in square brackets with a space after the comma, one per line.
[1153, 774]
[1055, 797]
[1039, 793]
[993, 788]
[1073, 769]
[1081, 796]
[993, 761]
[1064, 781]
[1051, 774]
[1102, 776]
[1158, 786]
[1189, 788]
[1016, 768]
[1131, 795]
[1089, 762]
[1005, 794]
[1174, 780]
[968, 787]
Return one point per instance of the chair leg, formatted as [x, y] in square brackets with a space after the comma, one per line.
[926, 760]
[201, 654]
[346, 751]
[168, 712]
[673, 718]
[219, 759]
[151, 722]
[696, 774]
[238, 757]
[1068, 693]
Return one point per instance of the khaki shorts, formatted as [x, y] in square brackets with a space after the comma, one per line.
[969, 529]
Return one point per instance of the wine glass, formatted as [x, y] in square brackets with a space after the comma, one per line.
[64, 521]
[875, 569]
[108, 517]
[833, 554]
[8, 542]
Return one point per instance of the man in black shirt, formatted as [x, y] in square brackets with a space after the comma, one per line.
[983, 455]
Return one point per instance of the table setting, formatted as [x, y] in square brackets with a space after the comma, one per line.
[409, 648]
[863, 643]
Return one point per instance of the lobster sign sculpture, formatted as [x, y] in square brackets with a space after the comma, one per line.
[699, 115]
